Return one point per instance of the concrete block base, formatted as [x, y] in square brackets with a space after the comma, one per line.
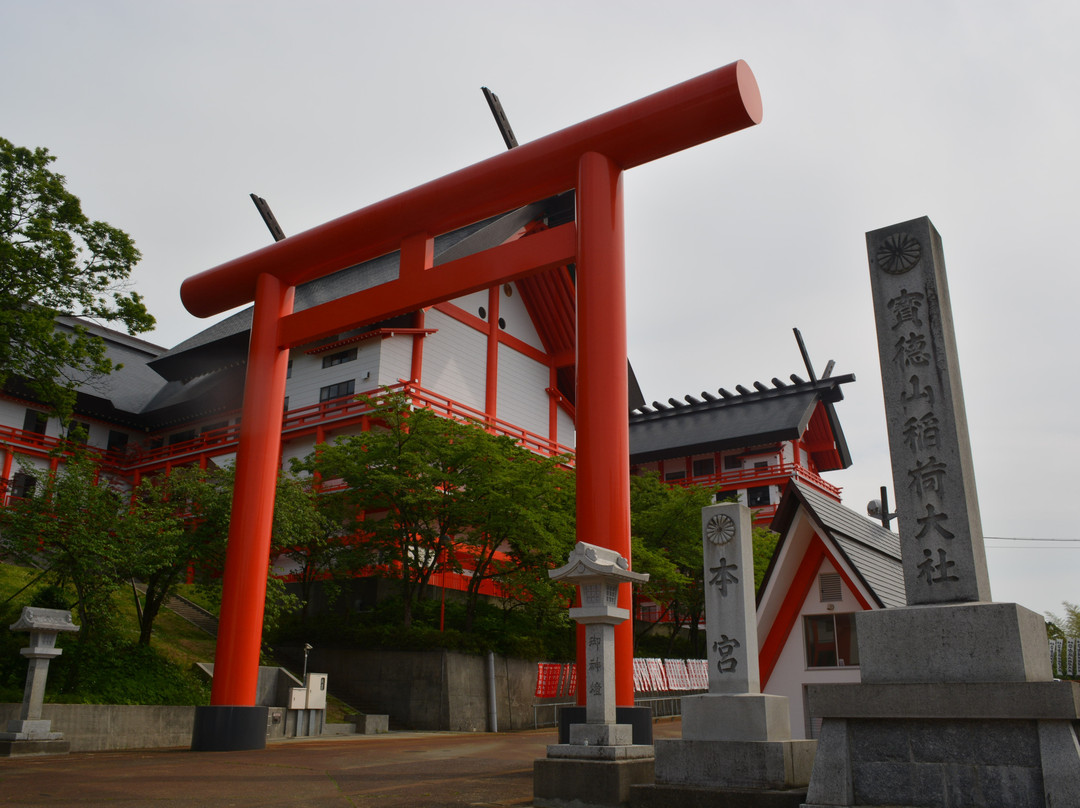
[941, 763]
[34, 748]
[966, 642]
[229, 728]
[569, 783]
[370, 724]
[735, 764]
[736, 717]
[662, 796]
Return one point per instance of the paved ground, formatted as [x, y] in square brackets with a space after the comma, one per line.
[410, 770]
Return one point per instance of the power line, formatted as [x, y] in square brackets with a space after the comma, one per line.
[1025, 538]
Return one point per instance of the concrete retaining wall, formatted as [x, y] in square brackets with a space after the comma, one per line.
[101, 727]
[431, 690]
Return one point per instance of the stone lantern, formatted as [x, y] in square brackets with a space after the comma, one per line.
[31, 734]
[598, 572]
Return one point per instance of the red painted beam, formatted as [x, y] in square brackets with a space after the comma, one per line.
[502, 264]
[696, 111]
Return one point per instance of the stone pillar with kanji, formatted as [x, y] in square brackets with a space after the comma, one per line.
[735, 739]
[601, 760]
[960, 682]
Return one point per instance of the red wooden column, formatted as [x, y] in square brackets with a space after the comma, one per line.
[236, 658]
[603, 441]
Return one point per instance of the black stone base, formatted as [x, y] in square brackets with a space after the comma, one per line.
[229, 729]
[30, 748]
[563, 783]
[640, 718]
[662, 796]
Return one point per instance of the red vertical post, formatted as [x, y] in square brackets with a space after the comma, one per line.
[491, 383]
[247, 558]
[603, 441]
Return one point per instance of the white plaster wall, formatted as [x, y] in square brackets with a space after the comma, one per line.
[309, 376]
[567, 434]
[518, 322]
[396, 360]
[455, 359]
[523, 398]
[791, 674]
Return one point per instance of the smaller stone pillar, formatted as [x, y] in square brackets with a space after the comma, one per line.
[30, 734]
[736, 746]
[601, 761]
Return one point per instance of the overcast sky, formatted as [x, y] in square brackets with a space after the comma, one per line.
[164, 116]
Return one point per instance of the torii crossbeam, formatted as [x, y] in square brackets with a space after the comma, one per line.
[588, 158]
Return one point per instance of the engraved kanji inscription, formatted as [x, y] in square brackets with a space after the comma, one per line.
[905, 308]
[937, 573]
[933, 521]
[723, 575]
[725, 647]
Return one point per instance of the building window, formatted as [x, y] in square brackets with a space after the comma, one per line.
[831, 640]
[332, 391]
[182, 437]
[36, 422]
[22, 485]
[288, 370]
[705, 467]
[78, 432]
[118, 441]
[339, 358]
[732, 463]
[758, 497]
[673, 476]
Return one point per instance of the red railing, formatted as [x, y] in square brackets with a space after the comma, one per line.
[338, 413]
[764, 475]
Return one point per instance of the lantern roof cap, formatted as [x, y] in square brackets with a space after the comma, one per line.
[592, 561]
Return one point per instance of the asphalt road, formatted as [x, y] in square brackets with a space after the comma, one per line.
[410, 770]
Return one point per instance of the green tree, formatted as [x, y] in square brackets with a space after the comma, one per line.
[69, 526]
[308, 531]
[177, 522]
[422, 492]
[665, 527]
[55, 261]
[519, 509]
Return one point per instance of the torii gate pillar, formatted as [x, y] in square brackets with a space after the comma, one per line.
[589, 158]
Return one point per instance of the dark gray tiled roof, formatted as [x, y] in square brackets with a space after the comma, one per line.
[749, 418]
[873, 551]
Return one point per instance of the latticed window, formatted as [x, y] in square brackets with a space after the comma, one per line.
[332, 391]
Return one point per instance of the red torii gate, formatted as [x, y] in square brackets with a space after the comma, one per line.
[589, 158]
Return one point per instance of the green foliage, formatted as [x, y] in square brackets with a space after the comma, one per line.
[70, 524]
[764, 547]
[665, 525]
[54, 260]
[421, 490]
[1068, 625]
[176, 522]
[112, 671]
[507, 632]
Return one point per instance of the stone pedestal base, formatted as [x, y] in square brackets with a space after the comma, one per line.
[736, 717]
[659, 796]
[30, 730]
[735, 764]
[956, 708]
[229, 728]
[23, 748]
[590, 776]
[945, 763]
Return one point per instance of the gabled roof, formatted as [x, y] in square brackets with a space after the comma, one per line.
[746, 418]
[872, 551]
